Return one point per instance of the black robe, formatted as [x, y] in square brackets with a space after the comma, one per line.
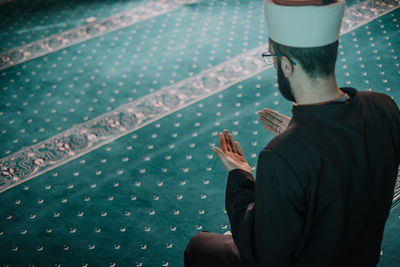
[323, 188]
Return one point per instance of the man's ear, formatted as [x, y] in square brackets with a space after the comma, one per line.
[287, 66]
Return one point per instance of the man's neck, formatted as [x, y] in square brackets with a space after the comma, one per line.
[318, 91]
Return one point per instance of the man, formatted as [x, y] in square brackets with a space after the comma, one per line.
[324, 184]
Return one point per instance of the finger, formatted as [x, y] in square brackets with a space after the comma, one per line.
[271, 130]
[272, 112]
[218, 152]
[232, 142]
[268, 120]
[273, 117]
[222, 142]
[279, 118]
[227, 141]
[276, 114]
[264, 120]
[269, 123]
[239, 148]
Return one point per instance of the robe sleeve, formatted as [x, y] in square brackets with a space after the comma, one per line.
[266, 215]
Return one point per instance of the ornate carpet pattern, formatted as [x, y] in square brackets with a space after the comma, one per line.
[115, 117]
[56, 42]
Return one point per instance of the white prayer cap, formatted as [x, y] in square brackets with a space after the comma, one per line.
[303, 25]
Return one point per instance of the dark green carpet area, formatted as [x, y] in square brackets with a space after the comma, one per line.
[101, 166]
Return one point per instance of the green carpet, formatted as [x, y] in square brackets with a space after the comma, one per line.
[106, 142]
[391, 244]
[25, 21]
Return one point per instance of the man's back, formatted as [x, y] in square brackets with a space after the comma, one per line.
[345, 156]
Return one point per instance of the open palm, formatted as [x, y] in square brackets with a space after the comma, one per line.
[230, 153]
[273, 121]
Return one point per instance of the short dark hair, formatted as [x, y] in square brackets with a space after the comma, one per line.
[316, 61]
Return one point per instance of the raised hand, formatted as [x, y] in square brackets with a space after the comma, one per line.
[273, 121]
[230, 153]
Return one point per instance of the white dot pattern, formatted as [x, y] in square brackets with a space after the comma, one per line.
[135, 200]
[40, 19]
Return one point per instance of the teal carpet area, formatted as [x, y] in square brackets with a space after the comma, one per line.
[105, 141]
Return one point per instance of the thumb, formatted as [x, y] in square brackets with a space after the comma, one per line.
[220, 155]
[218, 152]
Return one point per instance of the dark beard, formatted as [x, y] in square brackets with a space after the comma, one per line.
[284, 85]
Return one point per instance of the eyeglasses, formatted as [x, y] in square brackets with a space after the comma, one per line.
[268, 57]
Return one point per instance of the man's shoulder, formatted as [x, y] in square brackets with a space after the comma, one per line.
[376, 97]
[371, 94]
[292, 141]
[381, 100]
[292, 149]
